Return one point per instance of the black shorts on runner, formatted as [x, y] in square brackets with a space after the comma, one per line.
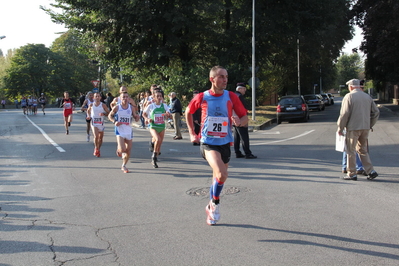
[224, 151]
[88, 121]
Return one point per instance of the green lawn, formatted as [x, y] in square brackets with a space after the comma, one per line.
[262, 115]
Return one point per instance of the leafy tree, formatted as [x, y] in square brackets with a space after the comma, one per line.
[77, 65]
[349, 67]
[380, 22]
[184, 36]
[30, 71]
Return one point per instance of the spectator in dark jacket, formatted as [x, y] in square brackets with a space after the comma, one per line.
[176, 111]
[241, 132]
[109, 100]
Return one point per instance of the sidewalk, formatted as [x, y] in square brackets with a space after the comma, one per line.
[393, 108]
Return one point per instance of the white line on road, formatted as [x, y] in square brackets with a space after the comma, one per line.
[46, 136]
[282, 140]
[271, 133]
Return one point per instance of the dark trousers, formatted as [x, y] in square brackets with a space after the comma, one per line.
[241, 136]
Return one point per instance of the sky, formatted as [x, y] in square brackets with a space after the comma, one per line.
[354, 43]
[23, 22]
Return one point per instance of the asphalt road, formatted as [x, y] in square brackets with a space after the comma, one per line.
[60, 205]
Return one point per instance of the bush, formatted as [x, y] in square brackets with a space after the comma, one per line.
[343, 92]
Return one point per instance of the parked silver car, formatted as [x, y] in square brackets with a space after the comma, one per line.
[315, 102]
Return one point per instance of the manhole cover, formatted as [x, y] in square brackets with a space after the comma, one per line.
[204, 191]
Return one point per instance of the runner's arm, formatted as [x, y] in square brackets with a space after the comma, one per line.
[88, 113]
[83, 106]
[113, 103]
[111, 115]
[105, 109]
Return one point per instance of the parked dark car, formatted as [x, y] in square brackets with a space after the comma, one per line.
[314, 102]
[331, 97]
[292, 107]
[326, 99]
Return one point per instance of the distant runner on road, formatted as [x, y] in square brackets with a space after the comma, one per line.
[69, 106]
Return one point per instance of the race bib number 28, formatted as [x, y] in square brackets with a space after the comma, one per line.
[217, 127]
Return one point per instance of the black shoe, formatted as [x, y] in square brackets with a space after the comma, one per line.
[154, 162]
[240, 155]
[69, 124]
[251, 156]
[346, 177]
[372, 175]
[361, 172]
[151, 146]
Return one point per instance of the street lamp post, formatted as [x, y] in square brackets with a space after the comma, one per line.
[299, 72]
[321, 86]
[253, 60]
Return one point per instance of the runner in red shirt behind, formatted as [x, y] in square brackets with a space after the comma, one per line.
[69, 106]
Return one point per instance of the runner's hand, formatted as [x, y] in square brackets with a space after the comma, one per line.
[236, 120]
[194, 138]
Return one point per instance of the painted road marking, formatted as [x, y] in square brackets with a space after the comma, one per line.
[282, 140]
[46, 136]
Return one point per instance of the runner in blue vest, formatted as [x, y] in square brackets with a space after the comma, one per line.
[217, 105]
[155, 115]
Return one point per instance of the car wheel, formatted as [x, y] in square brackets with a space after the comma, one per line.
[278, 121]
[306, 118]
[324, 107]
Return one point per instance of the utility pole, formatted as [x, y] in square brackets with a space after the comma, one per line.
[253, 60]
[299, 75]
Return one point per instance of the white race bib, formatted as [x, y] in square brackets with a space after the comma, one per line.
[217, 127]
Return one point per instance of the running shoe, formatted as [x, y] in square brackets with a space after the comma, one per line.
[69, 124]
[124, 169]
[209, 221]
[67, 132]
[88, 138]
[154, 162]
[96, 153]
[212, 210]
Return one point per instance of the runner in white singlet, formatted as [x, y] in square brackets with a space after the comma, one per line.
[95, 114]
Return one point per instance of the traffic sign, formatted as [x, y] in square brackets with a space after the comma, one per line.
[95, 83]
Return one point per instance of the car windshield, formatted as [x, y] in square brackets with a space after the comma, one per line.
[286, 101]
[310, 97]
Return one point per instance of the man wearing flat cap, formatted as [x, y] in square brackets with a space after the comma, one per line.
[241, 132]
[358, 115]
